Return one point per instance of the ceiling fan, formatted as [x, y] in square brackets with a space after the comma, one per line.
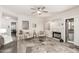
[39, 10]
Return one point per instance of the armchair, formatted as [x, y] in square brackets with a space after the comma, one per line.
[27, 35]
[42, 36]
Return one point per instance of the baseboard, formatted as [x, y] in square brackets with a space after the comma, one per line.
[76, 43]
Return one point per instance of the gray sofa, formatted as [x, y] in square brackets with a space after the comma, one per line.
[1, 40]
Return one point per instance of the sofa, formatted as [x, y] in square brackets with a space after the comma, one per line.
[1, 40]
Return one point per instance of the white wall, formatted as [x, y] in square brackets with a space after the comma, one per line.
[6, 24]
[56, 25]
[76, 29]
[73, 13]
[32, 21]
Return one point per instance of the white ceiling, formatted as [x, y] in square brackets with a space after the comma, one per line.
[26, 9]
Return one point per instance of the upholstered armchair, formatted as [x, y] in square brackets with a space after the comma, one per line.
[28, 35]
[41, 33]
[42, 36]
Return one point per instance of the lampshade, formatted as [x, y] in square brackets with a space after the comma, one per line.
[3, 30]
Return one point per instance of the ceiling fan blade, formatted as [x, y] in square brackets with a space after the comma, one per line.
[42, 7]
[45, 11]
[33, 12]
[33, 8]
[38, 8]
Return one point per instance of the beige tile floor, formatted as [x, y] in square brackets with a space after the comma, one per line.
[48, 46]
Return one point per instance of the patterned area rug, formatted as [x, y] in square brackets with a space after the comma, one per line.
[48, 46]
[28, 49]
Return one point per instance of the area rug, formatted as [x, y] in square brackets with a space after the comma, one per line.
[28, 49]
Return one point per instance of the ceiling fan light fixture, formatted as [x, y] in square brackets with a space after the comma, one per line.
[39, 12]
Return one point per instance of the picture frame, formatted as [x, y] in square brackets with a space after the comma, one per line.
[25, 25]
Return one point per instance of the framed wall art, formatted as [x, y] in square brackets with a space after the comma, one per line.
[25, 25]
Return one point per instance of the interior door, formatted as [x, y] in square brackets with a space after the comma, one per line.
[69, 29]
[13, 28]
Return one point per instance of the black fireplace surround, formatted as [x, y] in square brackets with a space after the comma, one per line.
[56, 35]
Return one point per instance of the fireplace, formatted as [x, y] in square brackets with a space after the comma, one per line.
[56, 35]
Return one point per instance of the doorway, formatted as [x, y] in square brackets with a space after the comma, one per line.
[13, 30]
[69, 30]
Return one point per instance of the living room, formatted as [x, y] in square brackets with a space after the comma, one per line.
[41, 24]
